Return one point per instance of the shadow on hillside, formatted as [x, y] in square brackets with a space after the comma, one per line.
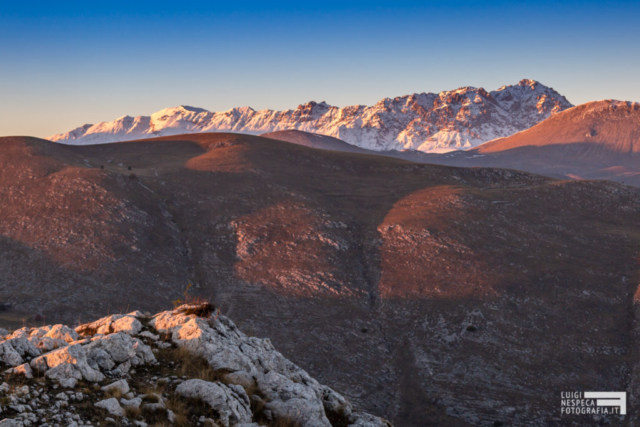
[465, 285]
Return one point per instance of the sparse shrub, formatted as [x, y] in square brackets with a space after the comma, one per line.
[189, 365]
[117, 393]
[190, 304]
[132, 412]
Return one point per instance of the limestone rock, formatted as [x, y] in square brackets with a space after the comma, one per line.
[75, 355]
[134, 403]
[23, 369]
[7, 422]
[288, 392]
[65, 374]
[283, 392]
[120, 386]
[127, 323]
[112, 406]
[230, 402]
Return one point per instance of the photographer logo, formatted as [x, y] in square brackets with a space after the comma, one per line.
[593, 403]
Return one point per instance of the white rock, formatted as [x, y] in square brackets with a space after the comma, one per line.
[122, 348]
[112, 406]
[46, 344]
[75, 355]
[23, 369]
[368, 420]
[120, 386]
[134, 402]
[293, 401]
[62, 396]
[8, 422]
[65, 374]
[230, 402]
[171, 417]
[63, 333]
[150, 335]
[111, 324]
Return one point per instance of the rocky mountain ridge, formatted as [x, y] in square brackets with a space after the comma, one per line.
[114, 371]
[428, 122]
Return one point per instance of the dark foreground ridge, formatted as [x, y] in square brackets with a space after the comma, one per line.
[186, 367]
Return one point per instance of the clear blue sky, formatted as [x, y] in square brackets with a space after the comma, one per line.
[63, 64]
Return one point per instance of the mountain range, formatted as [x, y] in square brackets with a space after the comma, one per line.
[429, 122]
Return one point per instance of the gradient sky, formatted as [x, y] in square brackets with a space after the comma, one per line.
[63, 64]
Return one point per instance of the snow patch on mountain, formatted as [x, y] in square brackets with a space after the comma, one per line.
[429, 122]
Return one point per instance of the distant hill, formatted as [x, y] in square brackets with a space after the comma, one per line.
[431, 295]
[596, 140]
[430, 122]
[315, 140]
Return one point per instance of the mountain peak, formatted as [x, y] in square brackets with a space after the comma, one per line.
[528, 82]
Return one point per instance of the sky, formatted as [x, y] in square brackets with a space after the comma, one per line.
[64, 64]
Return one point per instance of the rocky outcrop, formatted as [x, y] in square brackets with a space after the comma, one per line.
[230, 402]
[117, 370]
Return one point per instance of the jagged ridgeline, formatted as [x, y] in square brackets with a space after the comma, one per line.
[188, 366]
[455, 119]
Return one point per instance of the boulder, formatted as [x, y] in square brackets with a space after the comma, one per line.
[296, 402]
[62, 332]
[23, 369]
[76, 356]
[45, 344]
[368, 420]
[112, 406]
[230, 402]
[121, 347]
[65, 374]
[8, 422]
[127, 323]
[120, 386]
[9, 355]
[133, 403]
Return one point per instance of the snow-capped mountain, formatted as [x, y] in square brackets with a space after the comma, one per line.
[429, 122]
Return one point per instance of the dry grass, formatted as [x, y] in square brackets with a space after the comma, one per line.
[178, 361]
[114, 393]
[180, 410]
[132, 412]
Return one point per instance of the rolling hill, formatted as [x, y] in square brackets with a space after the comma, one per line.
[430, 295]
[596, 140]
[315, 140]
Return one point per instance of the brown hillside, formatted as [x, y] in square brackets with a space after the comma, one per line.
[416, 290]
[315, 140]
[606, 127]
[597, 140]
